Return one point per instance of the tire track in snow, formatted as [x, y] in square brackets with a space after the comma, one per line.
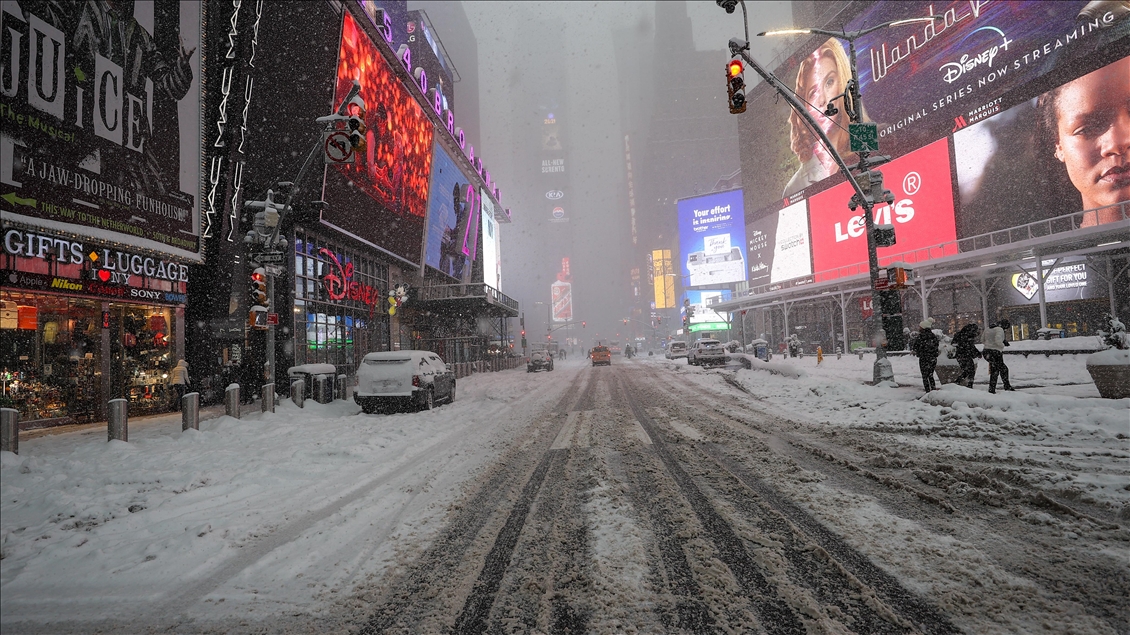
[413, 603]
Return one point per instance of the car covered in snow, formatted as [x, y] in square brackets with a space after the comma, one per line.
[706, 351]
[676, 350]
[539, 360]
[408, 378]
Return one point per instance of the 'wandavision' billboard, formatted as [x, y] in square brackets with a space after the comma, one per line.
[101, 135]
[1014, 99]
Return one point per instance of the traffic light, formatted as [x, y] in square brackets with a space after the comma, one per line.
[257, 299]
[690, 311]
[582, 324]
[355, 109]
[523, 333]
[659, 319]
[266, 219]
[735, 86]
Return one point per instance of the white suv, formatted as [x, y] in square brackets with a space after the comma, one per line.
[676, 349]
[706, 351]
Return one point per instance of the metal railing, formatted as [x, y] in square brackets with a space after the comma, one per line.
[1060, 224]
[467, 291]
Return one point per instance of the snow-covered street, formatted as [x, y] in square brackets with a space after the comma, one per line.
[646, 497]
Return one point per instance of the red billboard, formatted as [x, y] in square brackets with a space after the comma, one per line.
[922, 215]
[381, 196]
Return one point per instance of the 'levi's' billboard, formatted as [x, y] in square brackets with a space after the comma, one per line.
[922, 215]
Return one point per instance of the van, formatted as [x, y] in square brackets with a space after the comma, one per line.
[676, 349]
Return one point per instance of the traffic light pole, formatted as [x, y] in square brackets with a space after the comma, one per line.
[882, 369]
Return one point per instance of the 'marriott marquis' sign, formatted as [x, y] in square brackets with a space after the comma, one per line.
[102, 123]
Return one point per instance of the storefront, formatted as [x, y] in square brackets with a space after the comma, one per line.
[82, 323]
[340, 305]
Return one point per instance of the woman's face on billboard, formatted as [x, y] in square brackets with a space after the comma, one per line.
[823, 82]
[1093, 129]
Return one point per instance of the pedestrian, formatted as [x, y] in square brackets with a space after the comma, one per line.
[966, 353]
[179, 380]
[926, 348]
[995, 342]
[819, 355]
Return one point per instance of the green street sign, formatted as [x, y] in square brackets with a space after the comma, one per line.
[864, 137]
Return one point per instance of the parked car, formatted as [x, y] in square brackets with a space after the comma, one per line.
[408, 378]
[539, 360]
[706, 352]
[676, 350]
[601, 356]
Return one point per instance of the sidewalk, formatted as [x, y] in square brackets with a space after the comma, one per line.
[163, 419]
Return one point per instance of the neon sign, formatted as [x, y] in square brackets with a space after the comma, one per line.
[339, 285]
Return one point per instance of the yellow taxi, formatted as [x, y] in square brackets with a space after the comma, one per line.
[601, 356]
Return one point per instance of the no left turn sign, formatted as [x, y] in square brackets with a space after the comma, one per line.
[338, 149]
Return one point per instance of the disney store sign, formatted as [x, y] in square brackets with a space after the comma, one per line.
[340, 285]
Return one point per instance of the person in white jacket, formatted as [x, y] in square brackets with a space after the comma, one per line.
[178, 377]
[993, 353]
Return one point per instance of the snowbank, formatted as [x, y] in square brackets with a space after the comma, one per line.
[1109, 357]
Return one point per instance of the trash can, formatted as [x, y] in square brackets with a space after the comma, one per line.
[317, 379]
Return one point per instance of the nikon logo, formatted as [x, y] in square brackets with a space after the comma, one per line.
[60, 283]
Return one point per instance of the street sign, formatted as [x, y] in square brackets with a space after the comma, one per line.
[273, 318]
[274, 270]
[268, 257]
[338, 147]
[864, 137]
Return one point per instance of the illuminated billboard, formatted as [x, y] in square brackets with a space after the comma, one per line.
[381, 196]
[920, 82]
[492, 245]
[779, 246]
[443, 250]
[663, 278]
[922, 215]
[706, 318]
[712, 239]
[561, 294]
[102, 129]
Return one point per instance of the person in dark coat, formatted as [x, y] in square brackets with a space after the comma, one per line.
[926, 347]
[966, 353]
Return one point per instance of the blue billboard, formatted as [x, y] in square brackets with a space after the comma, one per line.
[443, 250]
[712, 239]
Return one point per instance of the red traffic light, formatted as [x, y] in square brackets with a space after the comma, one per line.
[257, 277]
[582, 324]
[735, 68]
[523, 332]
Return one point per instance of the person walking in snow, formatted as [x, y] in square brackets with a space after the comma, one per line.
[966, 353]
[179, 380]
[925, 346]
[995, 342]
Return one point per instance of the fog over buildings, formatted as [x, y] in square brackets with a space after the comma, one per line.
[651, 71]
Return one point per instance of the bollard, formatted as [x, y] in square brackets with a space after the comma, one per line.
[10, 430]
[269, 397]
[190, 411]
[339, 387]
[117, 425]
[298, 392]
[861, 354]
[346, 387]
[231, 401]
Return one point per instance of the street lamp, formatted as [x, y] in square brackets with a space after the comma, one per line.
[872, 180]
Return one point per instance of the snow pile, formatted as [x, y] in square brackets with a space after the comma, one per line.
[1109, 357]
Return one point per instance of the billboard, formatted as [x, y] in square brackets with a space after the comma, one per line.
[381, 197]
[443, 250]
[492, 246]
[712, 239]
[561, 293]
[663, 278]
[102, 125]
[705, 318]
[1053, 154]
[922, 215]
[779, 246]
[920, 82]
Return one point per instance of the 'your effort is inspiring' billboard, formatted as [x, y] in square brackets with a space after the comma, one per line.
[712, 239]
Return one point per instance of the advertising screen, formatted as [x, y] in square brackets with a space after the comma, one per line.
[102, 126]
[707, 319]
[779, 246]
[492, 254]
[923, 82]
[663, 278]
[444, 251]
[712, 239]
[562, 296]
[381, 197]
[922, 214]
[1048, 156]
